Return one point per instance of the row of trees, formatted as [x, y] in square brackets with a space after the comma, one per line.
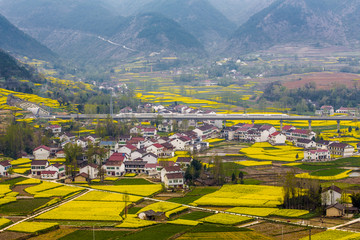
[19, 138]
[301, 193]
[302, 99]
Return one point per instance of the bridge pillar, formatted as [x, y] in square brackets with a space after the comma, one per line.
[338, 125]
[281, 125]
[310, 125]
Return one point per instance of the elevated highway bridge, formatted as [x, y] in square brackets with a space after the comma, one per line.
[201, 117]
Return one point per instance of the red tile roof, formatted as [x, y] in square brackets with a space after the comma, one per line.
[275, 134]
[131, 147]
[43, 147]
[117, 157]
[157, 145]
[5, 163]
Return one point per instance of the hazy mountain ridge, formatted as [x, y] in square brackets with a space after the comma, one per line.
[17, 42]
[320, 23]
[239, 11]
[68, 29]
[198, 17]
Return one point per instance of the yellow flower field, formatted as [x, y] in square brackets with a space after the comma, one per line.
[334, 235]
[214, 140]
[261, 212]
[175, 211]
[160, 207]
[291, 164]
[107, 197]
[61, 191]
[86, 210]
[4, 189]
[243, 195]
[184, 222]
[4, 222]
[254, 163]
[132, 221]
[265, 151]
[20, 161]
[41, 187]
[140, 190]
[32, 227]
[21, 170]
[228, 219]
[326, 178]
[29, 181]
[31, 98]
[290, 213]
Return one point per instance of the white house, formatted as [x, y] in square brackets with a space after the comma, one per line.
[57, 167]
[114, 168]
[112, 146]
[4, 167]
[41, 153]
[67, 137]
[317, 155]
[302, 133]
[152, 169]
[331, 195]
[341, 149]
[81, 142]
[174, 180]
[277, 138]
[60, 154]
[37, 166]
[156, 149]
[54, 128]
[150, 158]
[139, 153]
[305, 143]
[91, 170]
[178, 144]
[135, 166]
[322, 144]
[171, 169]
[51, 175]
[128, 149]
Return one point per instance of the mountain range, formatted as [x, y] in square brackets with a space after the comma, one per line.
[318, 23]
[19, 43]
[92, 30]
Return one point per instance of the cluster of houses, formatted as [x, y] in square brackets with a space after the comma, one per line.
[314, 150]
[329, 110]
[135, 153]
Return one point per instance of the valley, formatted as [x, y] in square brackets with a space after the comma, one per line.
[191, 119]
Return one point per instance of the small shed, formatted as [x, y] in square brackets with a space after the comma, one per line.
[152, 215]
[335, 210]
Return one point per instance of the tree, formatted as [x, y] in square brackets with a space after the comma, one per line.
[355, 199]
[218, 169]
[297, 156]
[350, 129]
[233, 177]
[72, 152]
[241, 176]
[126, 200]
